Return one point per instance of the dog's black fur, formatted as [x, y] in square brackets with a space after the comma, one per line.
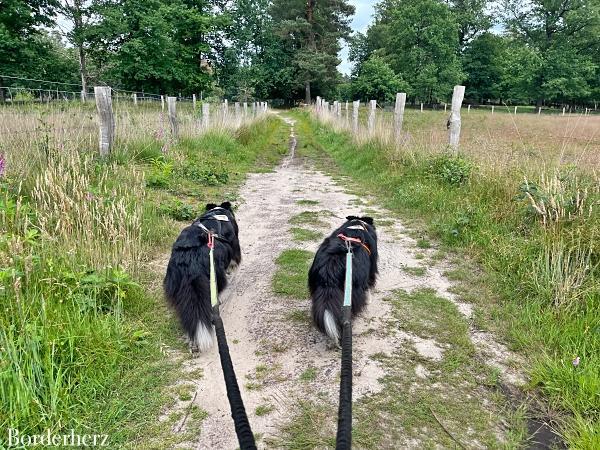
[187, 281]
[327, 274]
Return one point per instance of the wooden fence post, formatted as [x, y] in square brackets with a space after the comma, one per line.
[539, 110]
[445, 106]
[515, 110]
[162, 102]
[237, 110]
[83, 96]
[492, 110]
[347, 112]
[194, 101]
[205, 114]
[564, 110]
[106, 118]
[171, 106]
[372, 108]
[399, 114]
[421, 107]
[245, 109]
[355, 106]
[469, 108]
[134, 99]
[457, 99]
[335, 107]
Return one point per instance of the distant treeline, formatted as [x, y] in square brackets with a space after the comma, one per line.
[539, 51]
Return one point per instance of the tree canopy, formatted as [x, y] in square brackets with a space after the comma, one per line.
[541, 51]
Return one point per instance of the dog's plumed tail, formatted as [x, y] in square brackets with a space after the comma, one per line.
[327, 311]
[190, 298]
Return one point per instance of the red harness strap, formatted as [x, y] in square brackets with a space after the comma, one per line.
[343, 237]
[211, 240]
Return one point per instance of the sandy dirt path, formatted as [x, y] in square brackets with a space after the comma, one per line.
[254, 317]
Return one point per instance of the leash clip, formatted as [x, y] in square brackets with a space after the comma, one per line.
[211, 240]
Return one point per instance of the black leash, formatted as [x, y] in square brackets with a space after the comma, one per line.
[344, 432]
[238, 412]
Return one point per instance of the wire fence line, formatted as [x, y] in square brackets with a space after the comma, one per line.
[118, 116]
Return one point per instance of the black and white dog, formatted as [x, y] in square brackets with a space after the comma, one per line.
[327, 274]
[187, 281]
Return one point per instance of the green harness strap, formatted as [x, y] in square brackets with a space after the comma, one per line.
[213, 279]
[348, 282]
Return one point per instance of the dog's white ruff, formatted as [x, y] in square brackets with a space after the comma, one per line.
[330, 326]
[204, 337]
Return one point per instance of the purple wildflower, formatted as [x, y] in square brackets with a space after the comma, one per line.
[2, 165]
[576, 361]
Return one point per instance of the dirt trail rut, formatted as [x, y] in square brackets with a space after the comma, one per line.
[259, 336]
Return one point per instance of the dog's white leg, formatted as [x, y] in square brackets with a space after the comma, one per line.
[204, 337]
[331, 326]
[232, 267]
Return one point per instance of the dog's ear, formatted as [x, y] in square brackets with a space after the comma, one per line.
[210, 206]
[349, 218]
[368, 220]
[226, 205]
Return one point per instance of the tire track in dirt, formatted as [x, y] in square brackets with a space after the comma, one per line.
[259, 336]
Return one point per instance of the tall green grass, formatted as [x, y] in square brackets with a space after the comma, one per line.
[544, 262]
[83, 323]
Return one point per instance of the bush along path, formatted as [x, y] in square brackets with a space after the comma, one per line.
[424, 375]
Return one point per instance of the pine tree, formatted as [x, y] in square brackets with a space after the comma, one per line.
[312, 30]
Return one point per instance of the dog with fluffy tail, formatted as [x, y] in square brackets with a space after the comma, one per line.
[187, 281]
[327, 274]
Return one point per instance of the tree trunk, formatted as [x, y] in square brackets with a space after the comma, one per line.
[83, 69]
[310, 7]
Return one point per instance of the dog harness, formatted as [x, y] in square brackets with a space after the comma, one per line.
[350, 240]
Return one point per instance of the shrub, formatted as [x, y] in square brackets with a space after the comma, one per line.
[453, 170]
[180, 211]
[206, 174]
[160, 175]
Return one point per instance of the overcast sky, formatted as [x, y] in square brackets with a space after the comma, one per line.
[360, 22]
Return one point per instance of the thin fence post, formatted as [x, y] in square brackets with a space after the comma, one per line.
[205, 114]
[171, 105]
[457, 99]
[83, 95]
[194, 101]
[355, 106]
[421, 107]
[106, 118]
[347, 112]
[372, 109]
[134, 99]
[469, 108]
[399, 113]
[318, 105]
[492, 110]
[515, 110]
[245, 109]
[335, 107]
[237, 110]
[253, 108]
[445, 106]
[162, 102]
[539, 110]
[563, 111]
